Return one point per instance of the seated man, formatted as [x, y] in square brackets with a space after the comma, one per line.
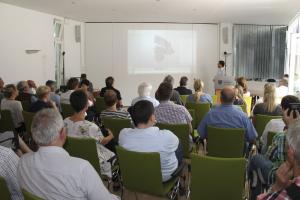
[72, 85]
[262, 168]
[227, 116]
[287, 184]
[109, 82]
[51, 173]
[144, 91]
[182, 90]
[147, 138]
[8, 170]
[175, 96]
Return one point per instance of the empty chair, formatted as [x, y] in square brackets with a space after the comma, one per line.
[200, 110]
[4, 192]
[116, 125]
[29, 196]
[217, 178]
[261, 121]
[225, 142]
[141, 172]
[67, 110]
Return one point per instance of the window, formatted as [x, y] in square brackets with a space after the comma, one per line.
[58, 47]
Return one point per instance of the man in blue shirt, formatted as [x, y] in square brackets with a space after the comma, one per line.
[227, 116]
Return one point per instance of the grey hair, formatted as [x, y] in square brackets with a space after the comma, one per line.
[46, 126]
[144, 89]
[169, 79]
[293, 139]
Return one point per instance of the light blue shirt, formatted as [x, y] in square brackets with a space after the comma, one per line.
[153, 140]
[227, 116]
[151, 99]
[204, 98]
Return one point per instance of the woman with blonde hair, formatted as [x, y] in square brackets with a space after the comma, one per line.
[199, 95]
[269, 106]
[241, 81]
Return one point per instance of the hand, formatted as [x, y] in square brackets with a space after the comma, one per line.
[283, 177]
[110, 133]
[289, 119]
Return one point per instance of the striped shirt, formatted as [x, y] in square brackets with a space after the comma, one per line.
[119, 114]
[8, 170]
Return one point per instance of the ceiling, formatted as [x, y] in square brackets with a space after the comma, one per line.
[278, 12]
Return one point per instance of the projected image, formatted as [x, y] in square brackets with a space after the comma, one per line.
[160, 51]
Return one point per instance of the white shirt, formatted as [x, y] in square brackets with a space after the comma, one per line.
[65, 97]
[51, 173]
[274, 125]
[153, 140]
[281, 92]
[8, 170]
[151, 99]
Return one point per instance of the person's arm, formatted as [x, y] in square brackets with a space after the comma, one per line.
[108, 138]
[23, 146]
[251, 133]
[96, 133]
[284, 175]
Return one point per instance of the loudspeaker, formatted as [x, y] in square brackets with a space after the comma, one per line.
[78, 33]
[225, 34]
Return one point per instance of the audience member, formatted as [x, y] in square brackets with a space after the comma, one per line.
[227, 115]
[44, 101]
[1, 89]
[8, 170]
[239, 96]
[175, 96]
[262, 167]
[241, 81]
[199, 95]
[182, 90]
[91, 87]
[72, 85]
[144, 91]
[53, 96]
[32, 87]
[111, 99]
[91, 112]
[77, 126]
[109, 82]
[148, 138]
[50, 173]
[24, 94]
[268, 107]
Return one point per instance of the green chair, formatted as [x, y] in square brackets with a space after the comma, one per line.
[6, 121]
[270, 137]
[225, 142]
[116, 125]
[67, 110]
[28, 117]
[244, 108]
[183, 98]
[4, 192]
[26, 105]
[100, 104]
[261, 121]
[84, 148]
[200, 111]
[28, 196]
[217, 178]
[182, 132]
[215, 99]
[141, 172]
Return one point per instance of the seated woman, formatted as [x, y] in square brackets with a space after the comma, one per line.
[111, 99]
[241, 81]
[77, 126]
[44, 101]
[91, 112]
[268, 107]
[199, 95]
[144, 91]
[24, 93]
[109, 82]
[239, 99]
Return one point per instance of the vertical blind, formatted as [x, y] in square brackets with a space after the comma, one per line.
[259, 51]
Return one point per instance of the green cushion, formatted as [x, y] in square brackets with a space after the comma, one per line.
[261, 121]
[29, 196]
[67, 110]
[28, 117]
[4, 192]
[116, 125]
[6, 121]
[100, 104]
[200, 111]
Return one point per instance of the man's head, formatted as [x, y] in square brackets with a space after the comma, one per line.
[221, 64]
[109, 81]
[110, 98]
[10, 91]
[79, 101]
[51, 85]
[164, 91]
[144, 89]
[73, 84]
[285, 105]
[227, 95]
[142, 113]
[83, 77]
[183, 81]
[84, 84]
[169, 79]
[31, 84]
[43, 92]
[23, 87]
[293, 141]
[48, 128]
[284, 82]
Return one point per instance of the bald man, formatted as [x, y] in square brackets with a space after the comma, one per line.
[227, 116]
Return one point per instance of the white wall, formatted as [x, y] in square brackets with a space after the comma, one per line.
[106, 55]
[23, 29]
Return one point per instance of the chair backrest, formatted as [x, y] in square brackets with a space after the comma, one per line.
[100, 104]
[214, 99]
[244, 108]
[26, 105]
[192, 113]
[248, 101]
[4, 192]
[28, 117]
[182, 132]
[200, 110]
[6, 121]
[67, 110]
[84, 148]
[225, 142]
[141, 172]
[217, 178]
[28, 196]
[270, 137]
[261, 121]
[116, 125]
[184, 98]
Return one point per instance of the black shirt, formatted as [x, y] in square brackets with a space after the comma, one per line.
[38, 105]
[103, 90]
[183, 90]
